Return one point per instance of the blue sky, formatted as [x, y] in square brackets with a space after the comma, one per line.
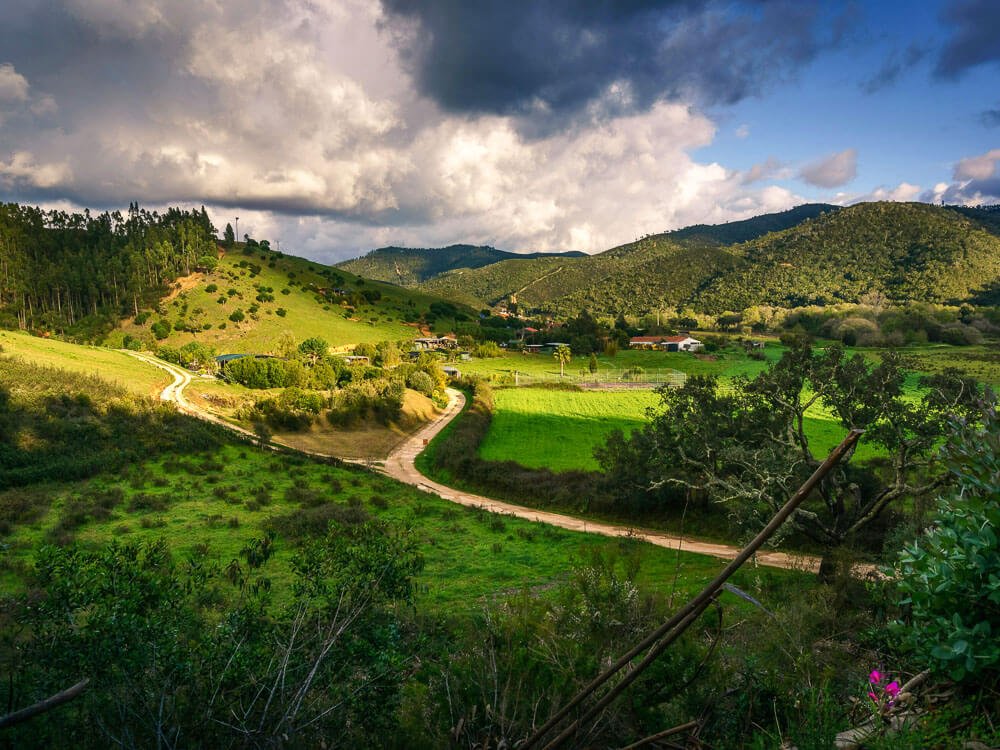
[913, 129]
[336, 126]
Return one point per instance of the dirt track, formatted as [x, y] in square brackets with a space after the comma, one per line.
[400, 466]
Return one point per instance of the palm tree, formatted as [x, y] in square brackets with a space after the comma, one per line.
[563, 355]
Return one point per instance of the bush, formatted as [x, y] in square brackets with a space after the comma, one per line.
[950, 577]
[421, 382]
[161, 329]
[237, 316]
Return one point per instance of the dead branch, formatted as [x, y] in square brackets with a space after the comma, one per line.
[45, 705]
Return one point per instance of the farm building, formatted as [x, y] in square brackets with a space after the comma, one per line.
[683, 343]
[452, 372]
[357, 359]
[435, 342]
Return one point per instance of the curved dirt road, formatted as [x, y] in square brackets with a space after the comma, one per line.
[400, 466]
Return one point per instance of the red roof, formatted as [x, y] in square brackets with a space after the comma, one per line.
[646, 339]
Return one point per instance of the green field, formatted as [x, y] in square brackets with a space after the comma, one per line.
[724, 364]
[541, 428]
[208, 506]
[294, 283]
[113, 366]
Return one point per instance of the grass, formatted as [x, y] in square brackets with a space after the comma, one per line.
[559, 429]
[113, 366]
[305, 313]
[725, 364]
[541, 428]
[208, 506]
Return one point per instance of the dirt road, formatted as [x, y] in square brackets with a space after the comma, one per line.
[400, 466]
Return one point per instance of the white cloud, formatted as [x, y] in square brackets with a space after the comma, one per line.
[903, 192]
[24, 170]
[13, 85]
[771, 168]
[743, 131]
[980, 167]
[296, 116]
[831, 171]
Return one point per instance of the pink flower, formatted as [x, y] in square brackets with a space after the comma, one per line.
[875, 677]
[892, 688]
[873, 697]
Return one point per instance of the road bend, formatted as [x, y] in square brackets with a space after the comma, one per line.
[400, 465]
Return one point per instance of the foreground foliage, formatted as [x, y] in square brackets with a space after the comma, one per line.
[745, 445]
[950, 577]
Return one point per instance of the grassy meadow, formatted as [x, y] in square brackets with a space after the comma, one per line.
[541, 428]
[114, 366]
[293, 304]
[207, 507]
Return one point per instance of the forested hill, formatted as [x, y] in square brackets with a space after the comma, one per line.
[903, 251]
[82, 271]
[814, 254]
[734, 232]
[408, 266]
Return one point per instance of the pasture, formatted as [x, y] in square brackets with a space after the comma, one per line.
[292, 302]
[555, 429]
[114, 366]
[209, 505]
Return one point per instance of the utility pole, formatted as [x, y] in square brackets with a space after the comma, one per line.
[237, 228]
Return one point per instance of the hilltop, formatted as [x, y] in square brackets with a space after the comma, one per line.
[254, 295]
[408, 266]
[813, 254]
[902, 251]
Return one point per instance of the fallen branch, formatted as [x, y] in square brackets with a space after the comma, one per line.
[43, 706]
[669, 631]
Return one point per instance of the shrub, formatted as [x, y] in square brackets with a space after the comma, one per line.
[237, 316]
[421, 382]
[950, 577]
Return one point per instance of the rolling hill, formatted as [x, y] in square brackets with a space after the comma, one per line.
[905, 251]
[255, 295]
[813, 254]
[409, 266]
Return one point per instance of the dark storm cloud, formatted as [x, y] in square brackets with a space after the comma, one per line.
[975, 40]
[558, 56]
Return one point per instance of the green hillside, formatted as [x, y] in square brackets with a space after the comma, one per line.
[905, 251]
[408, 266]
[813, 254]
[733, 232]
[656, 272]
[651, 273]
[249, 301]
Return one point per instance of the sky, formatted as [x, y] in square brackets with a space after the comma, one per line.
[336, 126]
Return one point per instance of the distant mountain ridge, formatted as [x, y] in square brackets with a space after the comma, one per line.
[812, 254]
[408, 266]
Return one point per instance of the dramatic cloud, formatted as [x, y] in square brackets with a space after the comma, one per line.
[832, 171]
[558, 57]
[975, 40]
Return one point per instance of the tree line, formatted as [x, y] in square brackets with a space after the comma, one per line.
[77, 273]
